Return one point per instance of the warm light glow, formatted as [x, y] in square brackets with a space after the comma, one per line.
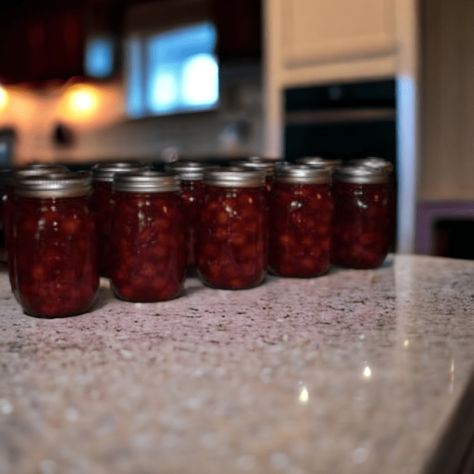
[81, 101]
[367, 372]
[3, 98]
[406, 343]
[303, 396]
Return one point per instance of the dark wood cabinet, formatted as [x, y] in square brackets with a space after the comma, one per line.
[40, 46]
[239, 28]
[46, 40]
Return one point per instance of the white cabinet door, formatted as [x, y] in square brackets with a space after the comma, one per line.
[324, 31]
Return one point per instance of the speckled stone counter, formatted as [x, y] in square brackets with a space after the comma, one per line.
[354, 372]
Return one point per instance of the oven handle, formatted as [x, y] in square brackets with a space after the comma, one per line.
[314, 117]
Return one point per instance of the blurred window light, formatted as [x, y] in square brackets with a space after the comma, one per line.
[174, 71]
[99, 58]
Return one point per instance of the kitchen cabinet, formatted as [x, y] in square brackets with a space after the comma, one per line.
[41, 46]
[319, 31]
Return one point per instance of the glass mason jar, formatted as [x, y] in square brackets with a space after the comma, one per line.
[192, 194]
[232, 240]
[261, 164]
[380, 164]
[301, 209]
[102, 205]
[362, 217]
[8, 200]
[148, 237]
[318, 161]
[54, 246]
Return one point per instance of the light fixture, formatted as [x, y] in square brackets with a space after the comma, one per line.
[3, 98]
[80, 101]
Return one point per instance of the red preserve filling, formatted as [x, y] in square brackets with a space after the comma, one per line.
[231, 246]
[300, 229]
[8, 213]
[362, 224]
[2, 219]
[54, 256]
[102, 205]
[192, 194]
[149, 246]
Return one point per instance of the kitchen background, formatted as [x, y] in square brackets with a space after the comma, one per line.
[82, 81]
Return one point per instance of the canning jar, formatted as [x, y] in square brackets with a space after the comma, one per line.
[192, 192]
[362, 217]
[54, 246]
[30, 171]
[380, 164]
[301, 210]
[148, 237]
[232, 240]
[102, 204]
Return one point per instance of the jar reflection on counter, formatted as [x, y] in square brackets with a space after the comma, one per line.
[102, 205]
[148, 237]
[191, 174]
[301, 210]
[363, 217]
[232, 241]
[54, 246]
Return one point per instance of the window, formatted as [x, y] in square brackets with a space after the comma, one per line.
[173, 71]
[99, 57]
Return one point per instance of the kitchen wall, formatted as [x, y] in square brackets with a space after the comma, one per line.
[447, 166]
[104, 132]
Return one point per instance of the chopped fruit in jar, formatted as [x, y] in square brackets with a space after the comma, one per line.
[363, 221]
[300, 230]
[149, 246]
[53, 278]
[231, 244]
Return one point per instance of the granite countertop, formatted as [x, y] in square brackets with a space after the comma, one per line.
[353, 372]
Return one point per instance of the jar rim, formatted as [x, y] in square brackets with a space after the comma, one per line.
[303, 174]
[106, 170]
[268, 167]
[188, 170]
[67, 184]
[234, 178]
[373, 162]
[146, 181]
[361, 175]
[318, 161]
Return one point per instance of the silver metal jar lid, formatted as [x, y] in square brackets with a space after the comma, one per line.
[361, 175]
[319, 161]
[21, 173]
[56, 185]
[106, 171]
[373, 162]
[254, 163]
[188, 170]
[303, 174]
[45, 166]
[146, 181]
[234, 178]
